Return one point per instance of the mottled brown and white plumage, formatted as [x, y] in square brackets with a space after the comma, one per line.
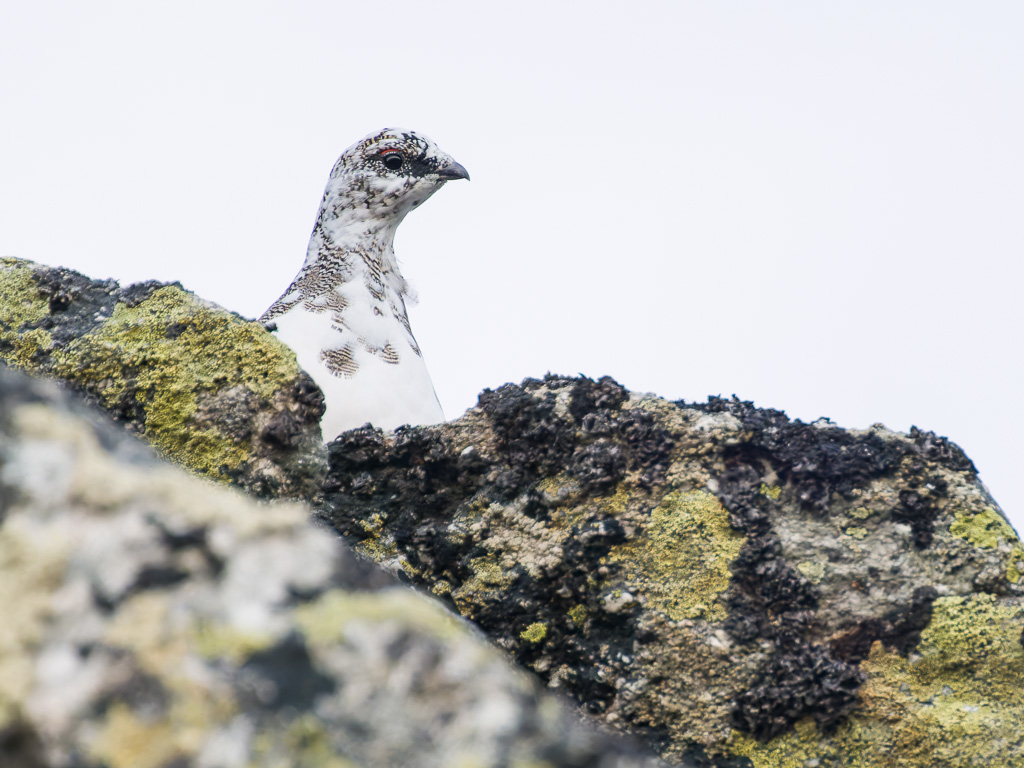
[345, 312]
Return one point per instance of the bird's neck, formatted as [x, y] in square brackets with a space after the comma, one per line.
[359, 250]
[350, 277]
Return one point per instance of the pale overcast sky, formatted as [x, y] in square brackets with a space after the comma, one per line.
[816, 206]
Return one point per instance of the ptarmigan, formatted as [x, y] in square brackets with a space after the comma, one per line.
[344, 313]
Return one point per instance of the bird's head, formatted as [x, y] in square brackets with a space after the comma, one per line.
[391, 172]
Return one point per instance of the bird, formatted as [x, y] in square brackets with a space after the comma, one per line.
[344, 315]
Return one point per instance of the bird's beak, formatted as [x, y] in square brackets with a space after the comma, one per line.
[453, 171]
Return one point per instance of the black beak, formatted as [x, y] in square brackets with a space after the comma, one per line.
[453, 171]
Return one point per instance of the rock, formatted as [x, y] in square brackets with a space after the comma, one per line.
[735, 588]
[727, 584]
[155, 620]
[210, 390]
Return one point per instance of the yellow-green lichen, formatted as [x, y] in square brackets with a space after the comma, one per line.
[21, 304]
[535, 633]
[220, 641]
[578, 615]
[856, 532]
[441, 588]
[860, 513]
[681, 560]
[487, 577]
[126, 740]
[617, 504]
[27, 348]
[813, 571]
[561, 492]
[771, 491]
[955, 702]
[989, 530]
[1015, 564]
[325, 620]
[984, 530]
[375, 545]
[32, 562]
[487, 572]
[476, 508]
[305, 743]
[131, 357]
[143, 631]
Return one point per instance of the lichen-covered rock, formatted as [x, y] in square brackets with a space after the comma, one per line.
[209, 389]
[155, 620]
[729, 585]
[732, 586]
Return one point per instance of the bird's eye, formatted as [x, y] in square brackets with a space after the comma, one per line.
[392, 160]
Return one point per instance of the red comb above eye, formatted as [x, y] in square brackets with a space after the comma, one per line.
[388, 151]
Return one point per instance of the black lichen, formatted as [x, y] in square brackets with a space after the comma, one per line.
[143, 693]
[739, 490]
[22, 746]
[920, 500]
[767, 597]
[598, 466]
[796, 683]
[416, 465]
[813, 461]
[533, 439]
[942, 451]
[283, 676]
[587, 396]
[650, 446]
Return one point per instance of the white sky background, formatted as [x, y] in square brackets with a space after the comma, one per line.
[816, 206]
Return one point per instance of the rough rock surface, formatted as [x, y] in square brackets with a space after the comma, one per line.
[154, 620]
[211, 390]
[731, 586]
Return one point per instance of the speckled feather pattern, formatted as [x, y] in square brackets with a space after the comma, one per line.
[345, 313]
